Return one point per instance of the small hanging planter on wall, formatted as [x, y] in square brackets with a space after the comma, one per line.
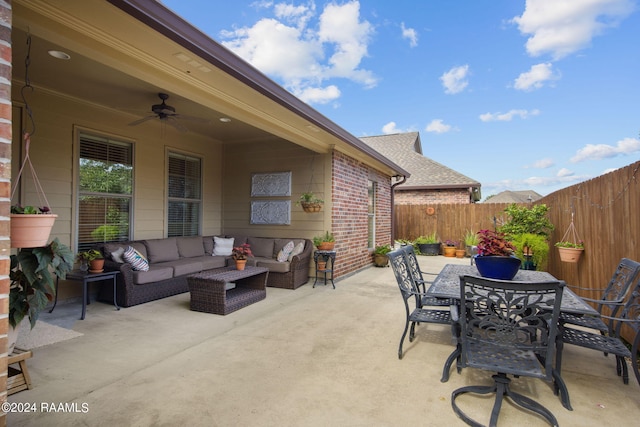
[310, 203]
[571, 247]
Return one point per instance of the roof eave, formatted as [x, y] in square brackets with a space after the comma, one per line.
[155, 15]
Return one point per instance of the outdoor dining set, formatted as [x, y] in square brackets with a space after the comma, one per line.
[518, 328]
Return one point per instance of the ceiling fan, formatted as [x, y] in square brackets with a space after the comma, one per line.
[167, 114]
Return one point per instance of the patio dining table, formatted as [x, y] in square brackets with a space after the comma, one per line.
[447, 285]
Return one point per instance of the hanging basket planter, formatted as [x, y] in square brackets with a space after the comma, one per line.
[31, 231]
[311, 207]
[571, 246]
[570, 254]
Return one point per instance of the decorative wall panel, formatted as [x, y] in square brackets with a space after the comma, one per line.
[271, 212]
[271, 184]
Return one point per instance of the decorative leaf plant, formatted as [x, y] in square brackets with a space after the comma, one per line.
[241, 252]
[32, 279]
[494, 243]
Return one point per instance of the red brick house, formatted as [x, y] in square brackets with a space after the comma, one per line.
[430, 181]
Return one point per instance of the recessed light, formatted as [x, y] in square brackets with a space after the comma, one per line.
[225, 119]
[60, 55]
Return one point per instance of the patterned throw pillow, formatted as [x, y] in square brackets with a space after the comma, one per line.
[283, 255]
[297, 250]
[135, 258]
[222, 246]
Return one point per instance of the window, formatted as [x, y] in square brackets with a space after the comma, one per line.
[105, 191]
[185, 195]
[372, 214]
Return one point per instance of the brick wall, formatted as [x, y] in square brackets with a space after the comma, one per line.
[349, 215]
[5, 190]
[425, 197]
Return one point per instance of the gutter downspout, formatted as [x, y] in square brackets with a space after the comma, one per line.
[393, 210]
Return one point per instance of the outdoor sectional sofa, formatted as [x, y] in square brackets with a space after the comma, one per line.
[172, 259]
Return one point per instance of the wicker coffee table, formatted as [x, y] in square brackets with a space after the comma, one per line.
[211, 291]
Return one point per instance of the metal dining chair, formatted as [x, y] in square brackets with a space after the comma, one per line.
[510, 328]
[423, 285]
[414, 313]
[612, 299]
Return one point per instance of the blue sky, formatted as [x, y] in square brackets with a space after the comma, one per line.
[516, 94]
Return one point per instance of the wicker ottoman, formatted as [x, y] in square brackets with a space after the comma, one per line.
[209, 291]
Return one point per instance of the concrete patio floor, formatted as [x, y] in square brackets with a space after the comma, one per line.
[309, 357]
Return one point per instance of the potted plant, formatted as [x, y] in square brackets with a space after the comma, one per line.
[30, 226]
[471, 242]
[532, 249]
[93, 258]
[495, 258]
[449, 248]
[240, 255]
[32, 283]
[570, 251]
[324, 242]
[428, 244]
[380, 258]
[310, 203]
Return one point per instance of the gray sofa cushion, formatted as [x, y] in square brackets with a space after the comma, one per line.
[211, 262]
[183, 266]
[160, 250]
[208, 245]
[189, 247]
[273, 265]
[261, 246]
[155, 274]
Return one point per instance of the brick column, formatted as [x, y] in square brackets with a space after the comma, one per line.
[5, 190]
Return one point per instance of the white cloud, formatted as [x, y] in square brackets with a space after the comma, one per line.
[315, 95]
[564, 172]
[543, 163]
[304, 50]
[562, 27]
[601, 151]
[438, 126]
[508, 116]
[455, 80]
[536, 77]
[409, 34]
[391, 128]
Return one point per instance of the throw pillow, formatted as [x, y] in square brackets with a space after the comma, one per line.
[222, 246]
[297, 250]
[117, 255]
[284, 253]
[135, 258]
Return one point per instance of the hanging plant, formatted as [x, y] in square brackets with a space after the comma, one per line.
[310, 203]
[30, 226]
[571, 246]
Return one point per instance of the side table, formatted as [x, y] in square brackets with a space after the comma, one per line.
[329, 258]
[85, 277]
[18, 379]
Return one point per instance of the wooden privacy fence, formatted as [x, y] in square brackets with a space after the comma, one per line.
[605, 212]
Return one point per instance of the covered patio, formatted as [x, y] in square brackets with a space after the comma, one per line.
[313, 357]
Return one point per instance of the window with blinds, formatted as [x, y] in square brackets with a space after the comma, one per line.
[105, 191]
[185, 195]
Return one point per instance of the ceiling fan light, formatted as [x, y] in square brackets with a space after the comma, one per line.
[225, 119]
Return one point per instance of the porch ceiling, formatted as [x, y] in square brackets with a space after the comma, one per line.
[119, 63]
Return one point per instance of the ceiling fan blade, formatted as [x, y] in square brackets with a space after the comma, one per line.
[172, 121]
[142, 120]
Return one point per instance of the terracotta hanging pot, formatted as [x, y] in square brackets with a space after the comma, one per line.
[311, 207]
[570, 254]
[31, 230]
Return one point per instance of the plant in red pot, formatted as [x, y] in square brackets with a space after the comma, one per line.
[495, 259]
[240, 255]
